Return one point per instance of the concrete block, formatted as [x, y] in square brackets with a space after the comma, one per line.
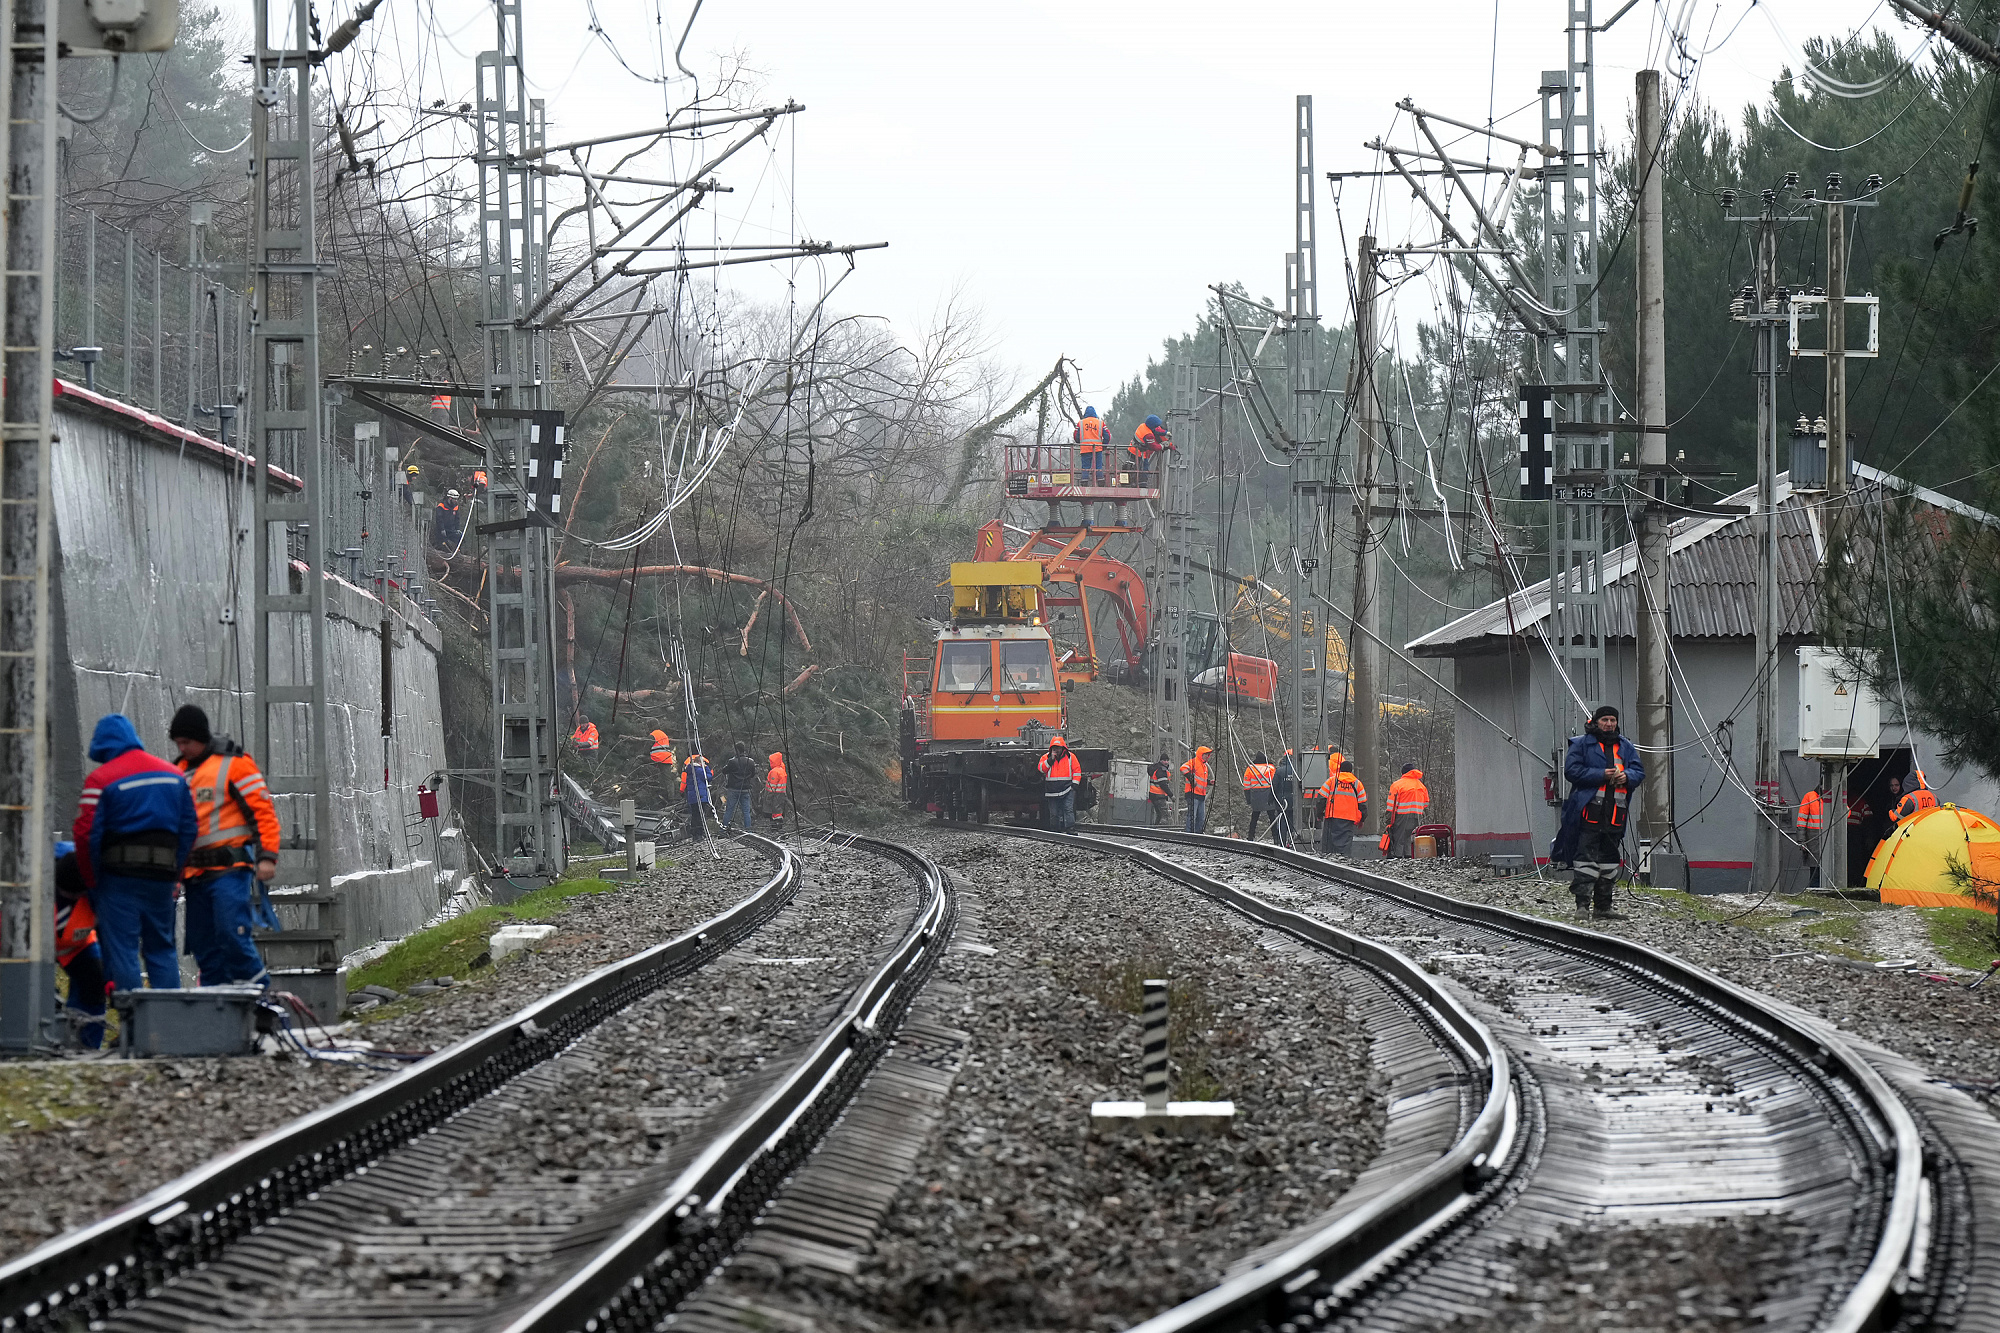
[320, 989]
[1179, 1120]
[513, 939]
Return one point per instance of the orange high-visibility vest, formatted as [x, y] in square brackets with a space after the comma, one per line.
[1195, 776]
[1344, 797]
[1089, 435]
[1408, 795]
[585, 734]
[1145, 442]
[1914, 803]
[232, 806]
[663, 749]
[776, 778]
[1059, 771]
[1156, 780]
[1857, 810]
[76, 929]
[1258, 777]
[1812, 811]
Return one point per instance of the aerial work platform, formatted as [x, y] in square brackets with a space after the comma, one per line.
[1056, 472]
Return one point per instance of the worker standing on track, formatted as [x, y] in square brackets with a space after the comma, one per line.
[1602, 767]
[77, 952]
[739, 783]
[1160, 789]
[1060, 774]
[695, 782]
[777, 783]
[1812, 824]
[135, 827]
[1195, 778]
[1090, 438]
[1284, 791]
[1408, 799]
[1257, 792]
[235, 852]
[1346, 808]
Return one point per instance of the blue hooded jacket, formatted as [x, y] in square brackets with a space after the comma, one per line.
[1584, 765]
[129, 792]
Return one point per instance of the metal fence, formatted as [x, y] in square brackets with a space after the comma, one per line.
[161, 334]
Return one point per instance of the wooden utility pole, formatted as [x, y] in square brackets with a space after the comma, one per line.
[1655, 627]
[1364, 651]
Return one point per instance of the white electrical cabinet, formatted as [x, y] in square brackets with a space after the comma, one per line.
[1840, 715]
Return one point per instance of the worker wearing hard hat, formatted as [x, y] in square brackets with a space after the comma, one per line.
[1060, 774]
[411, 479]
[1091, 441]
[447, 522]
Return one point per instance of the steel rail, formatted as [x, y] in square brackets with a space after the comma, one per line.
[649, 1268]
[1872, 1301]
[130, 1254]
[1416, 1206]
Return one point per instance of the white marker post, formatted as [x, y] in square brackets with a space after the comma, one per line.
[1157, 1115]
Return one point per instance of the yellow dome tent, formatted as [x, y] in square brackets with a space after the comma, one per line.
[1911, 864]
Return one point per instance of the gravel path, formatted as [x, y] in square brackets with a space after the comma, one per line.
[1015, 1217]
[492, 1209]
[1953, 1031]
[79, 1138]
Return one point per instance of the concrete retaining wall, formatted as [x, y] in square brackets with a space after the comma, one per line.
[152, 533]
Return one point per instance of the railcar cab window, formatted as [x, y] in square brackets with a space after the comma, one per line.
[1026, 666]
[964, 668]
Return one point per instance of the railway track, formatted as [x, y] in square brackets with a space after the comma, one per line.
[1641, 1088]
[252, 1237]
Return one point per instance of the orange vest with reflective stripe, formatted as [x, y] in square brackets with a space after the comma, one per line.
[663, 749]
[232, 805]
[1408, 795]
[1915, 803]
[1090, 435]
[1344, 797]
[1195, 772]
[1812, 811]
[776, 778]
[76, 928]
[1258, 777]
[586, 735]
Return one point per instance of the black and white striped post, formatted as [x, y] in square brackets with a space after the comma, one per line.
[1153, 1073]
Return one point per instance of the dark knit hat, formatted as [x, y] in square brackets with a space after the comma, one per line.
[190, 724]
[1604, 710]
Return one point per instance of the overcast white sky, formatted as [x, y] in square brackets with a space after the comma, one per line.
[1079, 171]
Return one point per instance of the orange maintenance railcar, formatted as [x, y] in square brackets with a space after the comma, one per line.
[977, 721]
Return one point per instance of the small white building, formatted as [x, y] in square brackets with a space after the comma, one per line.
[1505, 671]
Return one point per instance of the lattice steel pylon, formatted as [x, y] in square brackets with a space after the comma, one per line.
[1305, 503]
[27, 527]
[288, 725]
[1571, 366]
[1173, 550]
[513, 231]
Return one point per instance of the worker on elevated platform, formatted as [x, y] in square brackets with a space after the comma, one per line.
[1603, 768]
[1408, 800]
[1195, 777]
[1091, 441]
[1257, 791]
[1346, 809]
[1060, 774]
[1149, 439]
[135, 827]
[1160, 789]
[235, 852]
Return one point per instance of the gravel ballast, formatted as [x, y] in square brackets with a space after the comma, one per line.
[1947, 1028]
[1016, 1217]
[81, 1137]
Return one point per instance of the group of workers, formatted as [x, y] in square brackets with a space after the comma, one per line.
[148, 831]
[1273, 791]
[1909, 796]
[740, 785]
[1092, 438]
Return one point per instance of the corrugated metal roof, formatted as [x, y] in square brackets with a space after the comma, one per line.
[1714, 574]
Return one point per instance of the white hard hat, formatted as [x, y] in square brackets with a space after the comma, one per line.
[451, 495]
